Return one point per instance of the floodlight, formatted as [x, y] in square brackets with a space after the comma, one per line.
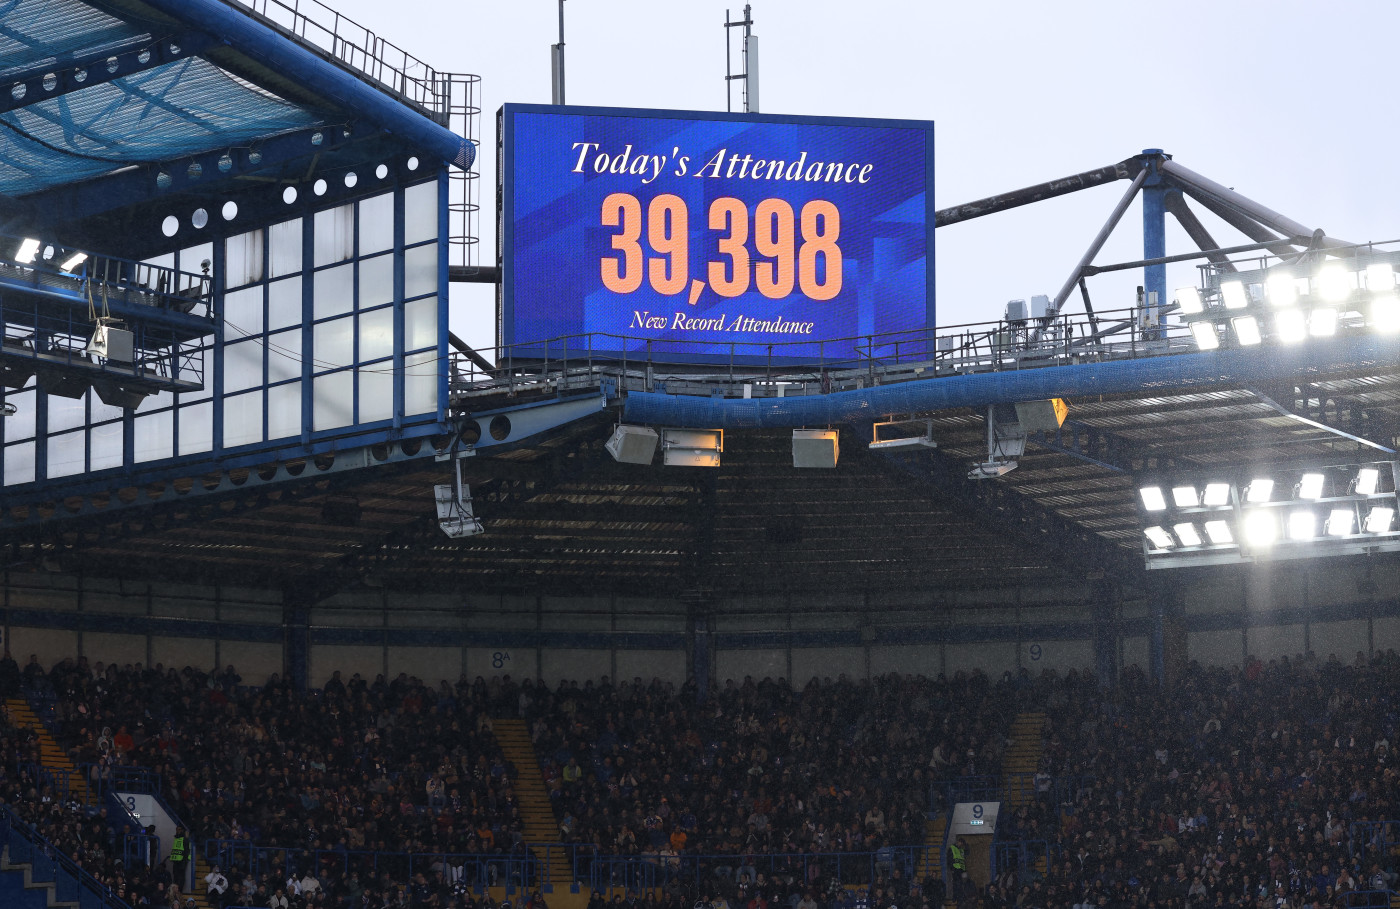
[1282, 288]
[1334, 283]
[1217, 494]
[1302, 525]
[1259, 490]
[1189, 299]
[1234, 294]
[1385, 313]
[1291, 326]
[1367, 479]
[73, 262]
[1378, 519]
[1219, 532]
[1260, 528]
[1247, 330]
[1185, 496]
[1380, 277]
[1204, 333]
[28, 249]
[1152, 498]
[1322, 322]
[1187, 534]
[1159, 537]
[1310, 486]
[97, 344]
[1339, 522]
[815, 448]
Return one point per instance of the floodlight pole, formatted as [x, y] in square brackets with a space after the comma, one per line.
[557, 59]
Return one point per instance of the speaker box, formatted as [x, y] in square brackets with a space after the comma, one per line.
[815, 447]
[633, 444]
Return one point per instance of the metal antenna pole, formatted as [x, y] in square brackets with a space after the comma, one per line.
[557, 59]
[750, 74]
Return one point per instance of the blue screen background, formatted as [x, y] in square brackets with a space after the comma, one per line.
[553, 285]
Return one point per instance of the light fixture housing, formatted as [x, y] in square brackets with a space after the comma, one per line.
[1334, 283]
[1260, 528]
[1385, 313]
[1367, 481]
[1187, 534]
[1185, 496]
[1216, 494]
[73, 261]
[1379, 519]
[1282, 289]
[28, 250]
[1247, 330]
[1259, 490]
[1188, 299]
[1310, 486]
[1219, 533]
[1322, 322]
[1152, 498]
[1380, 278]
[1234, 294]
[1302, 524]
[1159, 538]
[1205, 335]
[1291, 326]
[1340, 522]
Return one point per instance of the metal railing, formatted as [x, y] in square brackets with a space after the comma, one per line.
[795, 368]
[638, 872]
[338, 37]
[50, 865]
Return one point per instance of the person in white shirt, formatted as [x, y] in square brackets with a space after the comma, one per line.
[215, 886]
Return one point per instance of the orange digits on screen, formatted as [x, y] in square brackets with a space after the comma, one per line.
[784, 264]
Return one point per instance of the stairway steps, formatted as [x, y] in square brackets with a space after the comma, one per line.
[539, 824]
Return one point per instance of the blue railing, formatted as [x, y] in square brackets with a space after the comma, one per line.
[657, 870]
[1381, 835]
[48, 864]
[1022, 857]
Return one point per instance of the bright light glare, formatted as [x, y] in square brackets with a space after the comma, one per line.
[1323, 322]
[1185, 496]
[1152, 498]
[1378, 519]
[1217, 494]
[1385, 313]
[1340, 521]
[1380, 277]
[1291, 326]
[1302, 525]
[1334, 283]
[1260, 488]
[1367, 479]
[1234, 295]
[1282, 288]
[1187, 534]
[73, 261]
[28, 249]
[1204, 333]
[1189, 298]
[1310, 486]
[1159, 538]
[1219, 532]
[1247, 330]
[1260, 529]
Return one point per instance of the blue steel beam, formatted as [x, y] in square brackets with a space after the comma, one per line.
[1154, 229]
[101, 67]
[76, 201]
[1316, 358]
[351, 94]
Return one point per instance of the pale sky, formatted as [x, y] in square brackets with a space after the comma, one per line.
[1281, 100]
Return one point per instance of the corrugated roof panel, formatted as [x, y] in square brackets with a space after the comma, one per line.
[163, 114]
[34, 32]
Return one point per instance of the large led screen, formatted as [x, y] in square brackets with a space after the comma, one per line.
[707, 237]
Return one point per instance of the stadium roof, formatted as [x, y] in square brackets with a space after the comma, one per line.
[107, 105]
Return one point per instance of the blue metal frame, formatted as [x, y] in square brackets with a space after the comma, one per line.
[1233, 366]
[1154, 229]
[251, 37]
[102, 67]
[724, 353]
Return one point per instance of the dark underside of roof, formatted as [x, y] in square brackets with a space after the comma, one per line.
[561, 516]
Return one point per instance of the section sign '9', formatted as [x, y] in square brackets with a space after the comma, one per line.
[699, 237]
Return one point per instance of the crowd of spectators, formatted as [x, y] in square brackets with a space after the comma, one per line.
[1254, 788]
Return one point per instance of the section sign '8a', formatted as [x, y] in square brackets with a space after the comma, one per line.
[702, 237]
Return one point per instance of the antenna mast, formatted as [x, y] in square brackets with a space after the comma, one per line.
[750, 56]
[556, 59]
